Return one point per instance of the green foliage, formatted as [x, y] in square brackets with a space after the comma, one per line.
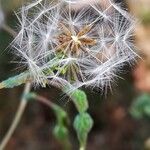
[60, 131]
[80, 100]
[83, 123]
[61, 115]
[141, 107]
[15, 81]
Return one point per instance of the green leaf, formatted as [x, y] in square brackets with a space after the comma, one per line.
[147, 110]
[141, 107]
[60, 132]
[80, 100]
[83, 123]
[15, 81]
[61, 115]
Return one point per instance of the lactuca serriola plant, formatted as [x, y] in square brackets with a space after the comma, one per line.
[70, 44]
[63, 44]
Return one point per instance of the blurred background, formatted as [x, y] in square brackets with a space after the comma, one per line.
[122, 118]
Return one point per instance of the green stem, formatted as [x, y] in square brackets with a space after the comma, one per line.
[57, 110]
[17, 118]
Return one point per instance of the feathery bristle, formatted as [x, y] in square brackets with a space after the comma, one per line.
[60, 42]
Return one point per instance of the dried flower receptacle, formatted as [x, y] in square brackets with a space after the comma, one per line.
[76, 42]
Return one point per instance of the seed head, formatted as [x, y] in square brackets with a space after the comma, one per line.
[61, 44]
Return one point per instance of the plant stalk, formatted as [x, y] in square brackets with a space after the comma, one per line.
[17, 117]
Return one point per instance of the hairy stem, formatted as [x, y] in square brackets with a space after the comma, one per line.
[17, 118]
[44, 101]
[61, 117]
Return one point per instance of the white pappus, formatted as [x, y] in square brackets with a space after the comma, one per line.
[63, 44]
